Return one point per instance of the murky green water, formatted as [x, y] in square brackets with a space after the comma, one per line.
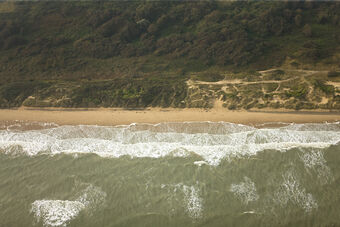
[183, 174]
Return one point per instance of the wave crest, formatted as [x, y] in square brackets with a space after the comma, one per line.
[213, 142]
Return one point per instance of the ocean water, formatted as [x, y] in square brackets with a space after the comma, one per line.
[169, 174]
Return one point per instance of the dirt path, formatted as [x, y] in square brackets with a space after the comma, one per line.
[335, 84]
[240, 82]
[308, 72]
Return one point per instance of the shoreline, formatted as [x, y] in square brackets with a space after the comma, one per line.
[119, 116]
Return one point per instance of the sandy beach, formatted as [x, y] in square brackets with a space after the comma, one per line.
[108, 116]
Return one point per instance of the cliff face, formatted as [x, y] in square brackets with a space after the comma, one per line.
[137, 54]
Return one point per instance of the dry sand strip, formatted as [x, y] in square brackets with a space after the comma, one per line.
[110, 116]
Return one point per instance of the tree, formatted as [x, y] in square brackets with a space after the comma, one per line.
[298, 20]
[307, 30]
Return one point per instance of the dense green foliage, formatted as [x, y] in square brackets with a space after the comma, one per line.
[126, 92]
[92, 38]
[58, 41]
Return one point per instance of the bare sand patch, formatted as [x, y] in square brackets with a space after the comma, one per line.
[115, 116]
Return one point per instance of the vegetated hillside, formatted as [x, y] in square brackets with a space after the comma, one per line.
[137, 54]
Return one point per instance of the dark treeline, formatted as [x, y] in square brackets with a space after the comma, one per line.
[59, 36]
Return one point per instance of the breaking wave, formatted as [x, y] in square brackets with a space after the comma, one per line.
[213, 142]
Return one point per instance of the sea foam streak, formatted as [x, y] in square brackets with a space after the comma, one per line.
[314, 161]
[213, 142]
[245, 191]
[292, 191]
[192, 201]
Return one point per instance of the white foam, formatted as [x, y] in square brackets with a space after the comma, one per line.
[335, 126]
[200, 163]
[56, 212]
[92, 197]
[194, 203]
[314, 161]
[213, 142]
[291, 191]
[19, 125]
[249, 212]
[191, 200]
[192, 127]
[61, 212]
[245, 191]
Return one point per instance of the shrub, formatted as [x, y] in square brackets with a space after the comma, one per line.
[327, 89]
[278, 72]
[14, 41]
[333, 74]
[209, 77]
[307, 30]
[299, 92]
[295, 64]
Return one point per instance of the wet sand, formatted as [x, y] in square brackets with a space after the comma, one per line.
[115, 116]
